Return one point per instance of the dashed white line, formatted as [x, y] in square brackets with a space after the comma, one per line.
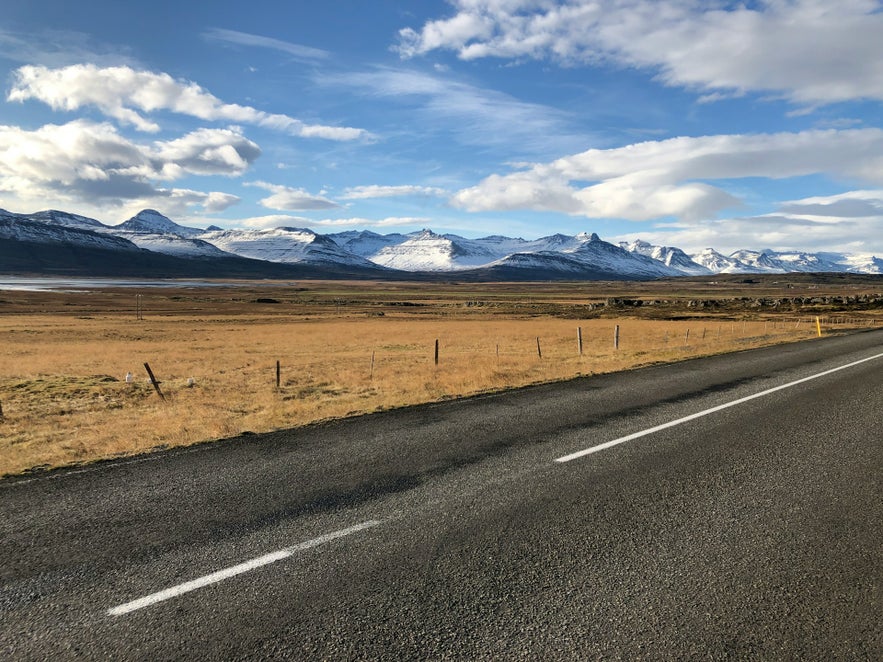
[706, 412]
[232, 571]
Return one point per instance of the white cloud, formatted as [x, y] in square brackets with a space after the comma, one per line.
[852, 204]
[298, 51]
[390, 221]
[849, 222]
[286, 198]
[281, 220]
[217, 201]
[775, 231]
[207, 152]
[656, 179]
[269, 221]
[810, 51]
[178, 202]
[85, 164]
[477, 116]
[57, 48]
[375, 191]
[127, 95]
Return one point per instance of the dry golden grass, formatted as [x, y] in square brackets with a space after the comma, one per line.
[64, 398]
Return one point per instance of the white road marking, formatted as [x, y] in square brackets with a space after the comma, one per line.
[232, 571]
[706, 412]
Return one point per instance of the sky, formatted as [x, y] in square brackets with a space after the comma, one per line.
[686, 123]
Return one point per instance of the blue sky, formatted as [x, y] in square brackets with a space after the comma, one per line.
[723, 124]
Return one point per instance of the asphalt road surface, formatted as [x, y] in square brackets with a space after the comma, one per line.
[738, 515]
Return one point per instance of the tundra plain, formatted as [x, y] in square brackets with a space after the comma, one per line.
[349, 348]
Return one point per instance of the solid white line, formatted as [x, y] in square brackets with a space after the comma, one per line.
[691, 417]
[232, 571]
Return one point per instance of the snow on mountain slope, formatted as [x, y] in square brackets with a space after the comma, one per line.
[668, 255]
[55, 217]
[582, 255]
[22, 229]
[601, 254]
[807, 262]
[758, 261]
[427, 251]
[592, 258]
[560, 243]
[150, 221]
[291, 245]
[721, 264]
[861, 263]
[366, 243]
[171, 244]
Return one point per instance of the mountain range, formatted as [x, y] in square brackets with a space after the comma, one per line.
[151, 244]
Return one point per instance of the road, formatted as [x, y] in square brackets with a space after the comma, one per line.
[741, 516]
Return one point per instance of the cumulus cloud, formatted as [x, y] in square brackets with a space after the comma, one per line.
[375, 191]
[128, 95]
[810, 51]
[286, 198]
[657, 179]
[82, 162]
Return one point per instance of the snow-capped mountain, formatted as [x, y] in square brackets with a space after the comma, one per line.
[55, 217]
[16, 228]
[758, 261]
[591, 260]
[365, 243]
[859, 263]
[668, 255]
[355, 253]
[800, 261]
[152, 231]
[427, 251]
[721, 264]
[780, 262]
[288, 245]
[150, 221]
[605, 258]
[172, 244]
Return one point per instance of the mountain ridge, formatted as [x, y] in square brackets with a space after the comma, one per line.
[422, 253]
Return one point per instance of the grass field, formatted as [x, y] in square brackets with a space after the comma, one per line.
[342, 348]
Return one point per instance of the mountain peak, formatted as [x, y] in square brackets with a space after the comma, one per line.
[150, 221]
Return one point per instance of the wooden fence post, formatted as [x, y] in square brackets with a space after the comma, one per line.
[436, 351]
[153, 380]
[616, 337]
[278, 375]
[539, 351]
[579, 339]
